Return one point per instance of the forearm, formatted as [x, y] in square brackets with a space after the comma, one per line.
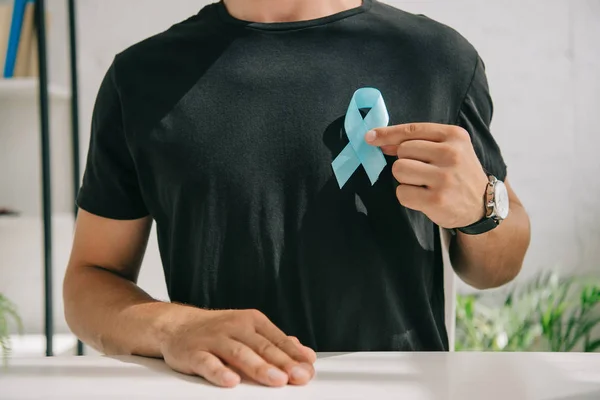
[115, 316]
[493, 258]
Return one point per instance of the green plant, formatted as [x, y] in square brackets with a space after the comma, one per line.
[547, 314]
[485, 327]
[8, 311]
[568, 320]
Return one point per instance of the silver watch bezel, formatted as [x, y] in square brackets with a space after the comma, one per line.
[498, 188]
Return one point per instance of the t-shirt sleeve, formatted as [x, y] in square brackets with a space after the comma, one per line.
[475, 116]
[110, 186]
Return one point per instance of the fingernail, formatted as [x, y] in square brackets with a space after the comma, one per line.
[370, 136]
[229, 378]
[300, 373]
[276, 375]
[307, 367]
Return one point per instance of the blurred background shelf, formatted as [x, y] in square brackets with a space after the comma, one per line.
[39, 157]
[20, 147]
[28, 88]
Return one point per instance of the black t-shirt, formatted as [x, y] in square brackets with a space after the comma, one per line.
[224, 132]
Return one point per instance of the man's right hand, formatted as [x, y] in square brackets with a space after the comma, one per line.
[108, 311]
[223, 346]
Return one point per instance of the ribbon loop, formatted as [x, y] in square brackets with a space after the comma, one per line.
[358, 151]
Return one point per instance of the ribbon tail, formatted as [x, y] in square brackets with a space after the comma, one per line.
[344, 165]
[374, 165]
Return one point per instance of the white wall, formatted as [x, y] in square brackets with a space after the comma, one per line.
[543, 64]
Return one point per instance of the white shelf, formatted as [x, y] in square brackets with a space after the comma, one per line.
[26, 88]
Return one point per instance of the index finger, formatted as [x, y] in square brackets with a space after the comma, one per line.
[396, 134]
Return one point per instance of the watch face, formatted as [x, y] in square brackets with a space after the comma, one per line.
[501, 200]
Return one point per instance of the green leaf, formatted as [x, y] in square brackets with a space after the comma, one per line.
[560, 323]
[4, 341]
[590, 297]
[547, 319]
[584, 329]
[592, 347]
[565, 290]
[469, 307]
[572, 323]
[7, 308]
[509, 299]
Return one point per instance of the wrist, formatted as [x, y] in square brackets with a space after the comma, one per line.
[171, 319]
[496, 206]
[483, 199]
[478, 208]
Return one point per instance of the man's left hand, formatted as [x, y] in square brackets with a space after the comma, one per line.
[438, 171]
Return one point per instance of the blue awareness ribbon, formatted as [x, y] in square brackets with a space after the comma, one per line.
[358, 151]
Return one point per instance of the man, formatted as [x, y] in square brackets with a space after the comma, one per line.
[224, 131]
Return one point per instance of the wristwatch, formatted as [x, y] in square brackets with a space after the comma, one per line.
[496, 208]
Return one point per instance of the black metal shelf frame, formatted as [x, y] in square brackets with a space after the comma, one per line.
[40, 12]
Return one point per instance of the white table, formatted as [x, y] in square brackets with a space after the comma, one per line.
[372, 376]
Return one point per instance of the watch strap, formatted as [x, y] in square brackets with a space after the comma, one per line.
[482, 226]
